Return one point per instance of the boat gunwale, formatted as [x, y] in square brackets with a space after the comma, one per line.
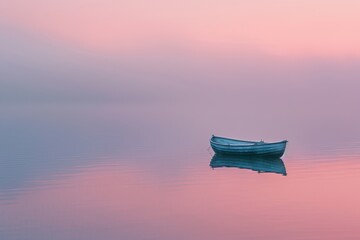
[240, 145]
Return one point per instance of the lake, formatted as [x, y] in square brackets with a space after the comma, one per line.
[142, 171]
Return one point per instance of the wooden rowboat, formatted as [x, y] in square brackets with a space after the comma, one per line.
[222, 145]
[255, 163]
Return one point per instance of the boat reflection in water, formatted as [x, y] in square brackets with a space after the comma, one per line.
[258, 164]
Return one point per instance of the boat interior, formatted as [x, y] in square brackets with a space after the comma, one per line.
[221, 140]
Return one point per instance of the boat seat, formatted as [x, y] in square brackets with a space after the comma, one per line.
[260, 143]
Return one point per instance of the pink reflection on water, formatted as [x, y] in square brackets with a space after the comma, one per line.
[316, 201]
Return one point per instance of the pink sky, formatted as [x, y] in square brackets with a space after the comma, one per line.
[286, 28]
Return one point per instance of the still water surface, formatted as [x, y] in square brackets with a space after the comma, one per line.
[142, 171]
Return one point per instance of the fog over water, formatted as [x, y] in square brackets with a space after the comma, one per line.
[106, 119]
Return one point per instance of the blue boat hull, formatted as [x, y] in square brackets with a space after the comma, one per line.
[227, 146]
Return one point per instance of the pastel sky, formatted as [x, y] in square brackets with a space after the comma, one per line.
[141, 51]
[276, 27]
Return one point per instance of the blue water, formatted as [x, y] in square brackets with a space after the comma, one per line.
[141, 171]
